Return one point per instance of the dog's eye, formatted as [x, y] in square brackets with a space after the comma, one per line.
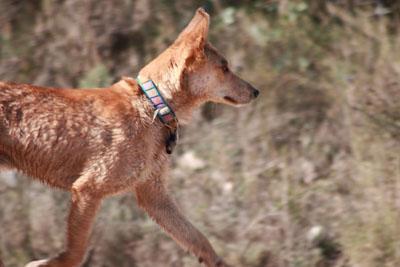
[225, 68]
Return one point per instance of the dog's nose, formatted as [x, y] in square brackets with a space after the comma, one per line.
[255, 93]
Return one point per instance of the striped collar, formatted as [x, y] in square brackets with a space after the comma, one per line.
[161, 110]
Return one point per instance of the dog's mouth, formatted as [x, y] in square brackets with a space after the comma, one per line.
[230, 100]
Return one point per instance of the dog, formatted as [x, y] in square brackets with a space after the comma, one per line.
[96, 143]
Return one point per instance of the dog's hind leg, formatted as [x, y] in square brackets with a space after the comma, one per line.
[82, 212]
[153, 198]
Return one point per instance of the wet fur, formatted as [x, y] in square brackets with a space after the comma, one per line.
[100, 142]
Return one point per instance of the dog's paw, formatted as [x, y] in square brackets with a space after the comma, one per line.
[39, 263]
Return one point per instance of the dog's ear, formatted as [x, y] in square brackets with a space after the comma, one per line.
[195, 33]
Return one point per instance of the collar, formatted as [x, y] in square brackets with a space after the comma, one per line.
[161, 110]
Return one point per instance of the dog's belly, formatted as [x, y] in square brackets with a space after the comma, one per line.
[52, 162]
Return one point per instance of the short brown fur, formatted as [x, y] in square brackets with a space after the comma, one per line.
[95, 143]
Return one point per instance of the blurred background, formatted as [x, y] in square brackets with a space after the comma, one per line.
[308, 175]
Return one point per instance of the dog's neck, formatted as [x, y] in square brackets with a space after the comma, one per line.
[181, 102]
[171, 84]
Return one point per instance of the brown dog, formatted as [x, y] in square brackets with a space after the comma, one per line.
[96, 143]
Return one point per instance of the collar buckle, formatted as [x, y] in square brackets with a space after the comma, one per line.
[163, 111]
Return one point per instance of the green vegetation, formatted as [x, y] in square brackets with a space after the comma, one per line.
[98, 76]
[307, 176]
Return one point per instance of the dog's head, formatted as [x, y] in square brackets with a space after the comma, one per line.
[202, 72]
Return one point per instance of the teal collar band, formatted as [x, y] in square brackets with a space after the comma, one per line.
[163, 111]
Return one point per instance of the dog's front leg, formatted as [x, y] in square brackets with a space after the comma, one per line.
[153, 198]
[82, 212]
